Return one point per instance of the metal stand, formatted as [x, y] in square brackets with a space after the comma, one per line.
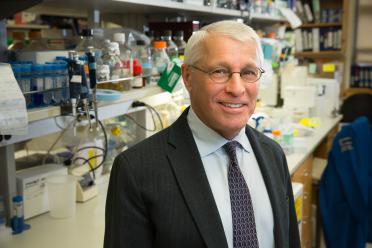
[7, 177]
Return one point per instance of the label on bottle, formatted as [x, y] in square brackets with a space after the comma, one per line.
[18, 209]
[76, 79]
[170, 77]
[137, 82]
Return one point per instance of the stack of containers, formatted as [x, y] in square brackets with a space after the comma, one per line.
[43, 84]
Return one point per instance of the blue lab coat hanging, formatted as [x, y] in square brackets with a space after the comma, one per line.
[346, 188]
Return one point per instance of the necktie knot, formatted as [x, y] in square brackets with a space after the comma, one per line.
[230, 148]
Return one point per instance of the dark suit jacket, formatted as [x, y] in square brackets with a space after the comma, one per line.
[159, 195]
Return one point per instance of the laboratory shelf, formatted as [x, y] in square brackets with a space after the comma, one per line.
[159, 7]
[321, 25]
[43, 121]
[26, 26]
[43, 113]
[122, 79]
[321, 54]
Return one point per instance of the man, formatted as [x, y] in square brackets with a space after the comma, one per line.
[208, 180]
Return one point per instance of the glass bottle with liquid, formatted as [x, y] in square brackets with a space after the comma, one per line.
[180, 42]
[143, 55]
[160, 58]
[172, 49]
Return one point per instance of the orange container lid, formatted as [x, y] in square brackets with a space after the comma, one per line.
[160, 44]
[276, 132]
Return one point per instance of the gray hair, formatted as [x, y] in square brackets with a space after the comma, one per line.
[233, 29]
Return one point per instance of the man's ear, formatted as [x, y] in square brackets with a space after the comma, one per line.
[186, 74]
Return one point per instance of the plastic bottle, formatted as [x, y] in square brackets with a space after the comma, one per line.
[143, 55]
[18, 224]
[138, 81]
[64, 79]
[277, 135]
[111, 59]
[103, 70]
[172, 49]
[126, 54]
[37, 84]
[58, 84]
[180, 42]
[115, 145]
[131, 42]
[48, 84]
[287, 141]
[160, 58]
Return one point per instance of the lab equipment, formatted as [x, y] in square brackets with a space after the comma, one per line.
[92, 65]
[327, 96]
[62, 196]
[31, 184]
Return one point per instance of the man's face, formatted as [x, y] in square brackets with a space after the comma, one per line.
[224, 107]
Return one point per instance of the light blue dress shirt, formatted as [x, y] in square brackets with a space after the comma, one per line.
[215, 162]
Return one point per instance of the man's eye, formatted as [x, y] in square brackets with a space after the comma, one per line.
[249, 72]
[220, 72]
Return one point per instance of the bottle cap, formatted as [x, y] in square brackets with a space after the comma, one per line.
[160, 44]
[137, 70]
[17, 199]
[276, 132]
[119, 37]
[87, 32]
[37, 67]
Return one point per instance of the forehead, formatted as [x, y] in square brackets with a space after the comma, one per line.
[220, 49]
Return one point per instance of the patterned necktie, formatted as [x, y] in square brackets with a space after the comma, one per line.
[244, 226]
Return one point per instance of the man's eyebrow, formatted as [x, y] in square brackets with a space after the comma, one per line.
[227, 66]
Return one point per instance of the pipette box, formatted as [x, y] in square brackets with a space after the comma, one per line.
[31, 183]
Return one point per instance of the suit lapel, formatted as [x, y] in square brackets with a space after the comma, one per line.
[189, 171]
[272, 179]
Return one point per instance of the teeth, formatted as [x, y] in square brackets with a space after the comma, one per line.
[231, 105]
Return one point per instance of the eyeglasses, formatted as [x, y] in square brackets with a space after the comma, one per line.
[223, 75]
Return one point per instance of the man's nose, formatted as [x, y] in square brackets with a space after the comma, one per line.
[235, 85]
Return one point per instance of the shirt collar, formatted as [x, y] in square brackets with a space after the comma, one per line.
[207, 140]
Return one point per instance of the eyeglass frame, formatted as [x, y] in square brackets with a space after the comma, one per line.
[261, 71]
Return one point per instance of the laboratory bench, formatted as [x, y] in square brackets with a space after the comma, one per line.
[86, 228]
